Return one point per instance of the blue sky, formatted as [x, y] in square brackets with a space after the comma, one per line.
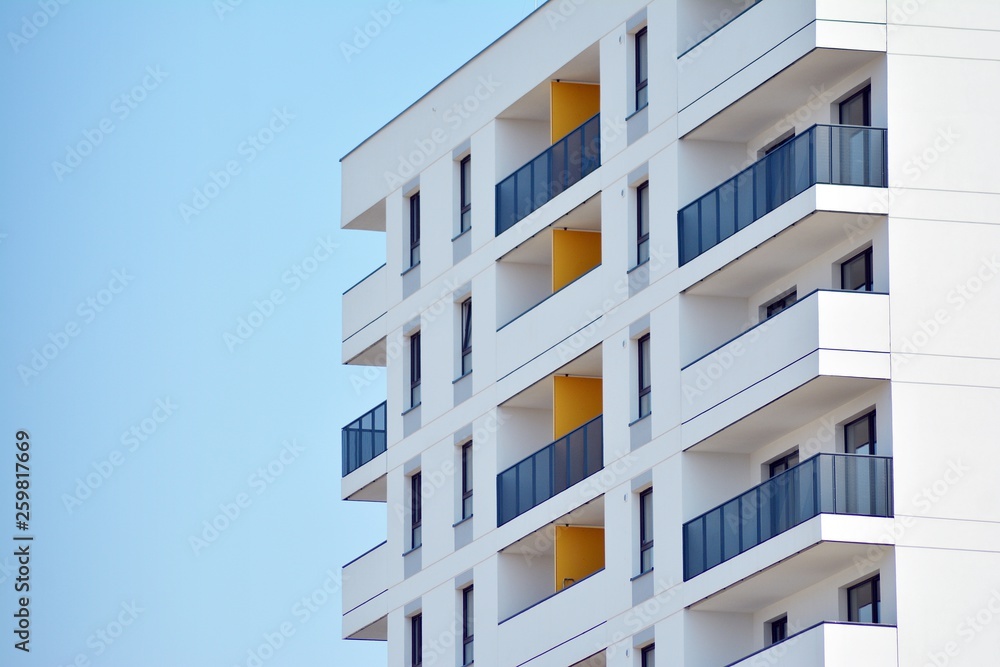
[172, 264]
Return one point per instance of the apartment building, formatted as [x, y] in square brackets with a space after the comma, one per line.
[689, 316]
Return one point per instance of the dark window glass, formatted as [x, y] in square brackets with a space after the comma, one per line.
[649, 656]
[859, 435]
[468, 626]
[778, 144]
[467, 336]
[416, 512]
[856, 109]
[779, 305]
[415, 370]
[415, 229]
[646, 531]
[416, 641]
[856, 273]
[467, 480]
[779, 629]
[641, 70]
[645, 387]
[642, 223]
[784, 463]
[864, 602]
[465, 194]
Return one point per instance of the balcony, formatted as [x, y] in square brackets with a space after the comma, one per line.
[550, 471]
[827, 347]
[832, 644]
[363, 439]
[363, 326]
[365, 582]
[767, 60]
[823, 154]
[557, 168]
[825, 484]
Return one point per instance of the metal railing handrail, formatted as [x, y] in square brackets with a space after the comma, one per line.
[352, 460]
[788, 510]
[590, 160]
[761, 187]
[551, 484]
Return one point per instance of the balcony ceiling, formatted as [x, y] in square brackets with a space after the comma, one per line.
[785, 578]
[539, 395]
[538, 249]
[542, 541]
[377, 631]
[584, 68]
[789, 412]
[794, 247]
[781, 95]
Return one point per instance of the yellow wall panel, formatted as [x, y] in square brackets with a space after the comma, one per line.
[572, 103]
[573, 254]
[579, 553]
[575, 402]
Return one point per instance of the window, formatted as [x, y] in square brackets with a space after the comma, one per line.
[784, 463]
[856, 109]
[468, 626]
[415, 229]
[416, 641]
[466, 336]
[864, 602]
[645, 389]
[859, 435]
[856, 273]
[779, 629]
[465, 194]
[646, 531]
[649, 656]
[467, 480]
[641, 70]
[773, 308]
[416, 512]
[642, 223]
[415, 370]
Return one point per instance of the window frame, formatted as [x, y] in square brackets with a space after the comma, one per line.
[875, 590]
[465, 194]
[785, 460]
[768, 308]
[866, 95]
[641, 57]
[467, 479]
[866, 256]
[415, 370]
[872, 433]
[468, 625]
[776, 627]
[414, 229]
[465, 343]
[645, 384]
[641, 221]
[644, 656]
[646, 541]
[416, 511]
[417, 640]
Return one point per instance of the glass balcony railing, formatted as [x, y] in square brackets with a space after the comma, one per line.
[363, 439]
[556, 169]
[830, 154]
[551, 470]
[823, 484]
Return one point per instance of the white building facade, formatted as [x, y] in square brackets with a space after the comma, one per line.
[691, 324]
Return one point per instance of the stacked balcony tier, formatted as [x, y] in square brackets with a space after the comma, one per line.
[827, 483]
